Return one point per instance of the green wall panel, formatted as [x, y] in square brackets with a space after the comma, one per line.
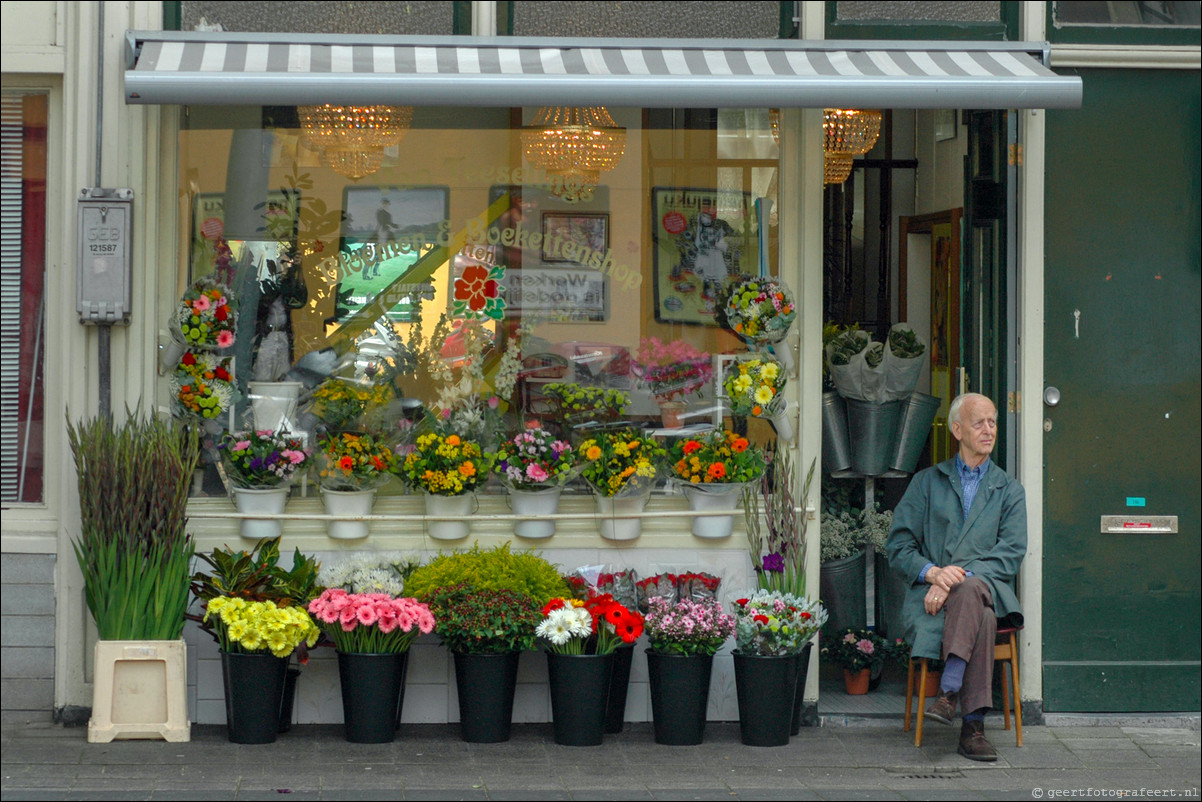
[1122, 289]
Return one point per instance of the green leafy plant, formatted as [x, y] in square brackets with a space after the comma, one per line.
[498, 568]
[485, 621]
[256, 575]
[777, 539]
[134, 549]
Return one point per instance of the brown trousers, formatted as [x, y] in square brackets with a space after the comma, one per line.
[969, 631]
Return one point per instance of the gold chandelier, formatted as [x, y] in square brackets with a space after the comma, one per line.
[847, 133]
[574, 143]
[352, 138]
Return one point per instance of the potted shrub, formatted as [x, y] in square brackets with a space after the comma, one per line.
[487, 604]
[684, 635]
[134, 552]
[844, 572]
[486, 632]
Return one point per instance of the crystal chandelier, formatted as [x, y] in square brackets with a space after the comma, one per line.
[352, 138]
[847, 133]
[574, 143]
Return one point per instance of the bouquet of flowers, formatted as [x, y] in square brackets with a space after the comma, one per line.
[760, 310]
[577, 401]
[687, 627]
[777, 539]
[857, 649]
[354, 461]
[370, 623]
[472, 418]
[262, 459]
[697, 586]
[445, 465]
[256, 627]
[203, 385]
[593, 626]
[621, 463]
[771, 623]
[671, 369]
[715, 458]
[753, 387]
[478, 621]
[369, 572]
[341, 404]
[535, 459]
[661, 586]
[205, 317]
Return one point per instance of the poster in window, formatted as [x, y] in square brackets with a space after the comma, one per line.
[391, 244]
[703, 240]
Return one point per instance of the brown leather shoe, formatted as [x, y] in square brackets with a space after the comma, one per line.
[973, 744]
[942, 709]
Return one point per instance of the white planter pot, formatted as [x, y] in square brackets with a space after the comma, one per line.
[615, 528]
[348, 502]
[449, 505]
[140, 691]
[535, 502]
[714, 497]
[274, 404]
[269, 500]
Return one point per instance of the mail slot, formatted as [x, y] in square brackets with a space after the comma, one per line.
[1139, 524]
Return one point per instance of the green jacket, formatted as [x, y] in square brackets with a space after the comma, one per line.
[927, 528]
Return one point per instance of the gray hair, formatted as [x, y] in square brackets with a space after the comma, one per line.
[953, 412]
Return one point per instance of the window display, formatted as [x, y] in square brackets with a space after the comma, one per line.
[455, 295]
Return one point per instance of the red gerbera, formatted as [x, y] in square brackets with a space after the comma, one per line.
[551, 606]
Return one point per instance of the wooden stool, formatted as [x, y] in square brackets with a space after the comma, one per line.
[1005, 650]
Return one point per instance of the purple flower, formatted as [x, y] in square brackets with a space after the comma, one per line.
[774, 563]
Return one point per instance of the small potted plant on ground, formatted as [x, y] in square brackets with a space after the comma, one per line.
[684, 635]
[856, 651]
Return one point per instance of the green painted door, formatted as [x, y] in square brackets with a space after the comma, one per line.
[1122, 282]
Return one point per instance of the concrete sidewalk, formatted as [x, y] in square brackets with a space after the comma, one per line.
[43, 761]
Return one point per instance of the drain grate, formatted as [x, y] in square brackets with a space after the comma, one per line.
[946, 775]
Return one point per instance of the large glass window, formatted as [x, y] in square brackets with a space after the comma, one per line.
[480, 269]
[22, 294]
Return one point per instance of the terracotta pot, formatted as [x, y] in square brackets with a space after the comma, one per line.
[856, 682]
[932, 687]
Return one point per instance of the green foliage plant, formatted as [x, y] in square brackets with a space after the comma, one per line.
[498, 568]
[134, 549]
[777, 537]
[257, 575]
[496, 621]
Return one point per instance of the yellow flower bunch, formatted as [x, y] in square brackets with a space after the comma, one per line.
[354, 461]
[340, 403]
[446, 465]
[622, 461]
[253, 627]
[753, 386]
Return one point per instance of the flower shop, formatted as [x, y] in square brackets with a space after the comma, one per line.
[494, 401]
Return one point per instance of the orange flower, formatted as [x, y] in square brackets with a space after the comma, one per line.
[691, 446]
[757, 410]
[453, 440]
[346, 463]
[739, 445]
[467, 469]
[716, 471]
[594, 452]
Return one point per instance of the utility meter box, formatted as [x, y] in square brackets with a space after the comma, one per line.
[102, 294]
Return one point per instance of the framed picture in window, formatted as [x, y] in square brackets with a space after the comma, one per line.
[703, 240]
[574, 238]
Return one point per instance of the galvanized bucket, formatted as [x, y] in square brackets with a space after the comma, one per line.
[872, 429]
[917, 416]
[836, 451]
[843, 585]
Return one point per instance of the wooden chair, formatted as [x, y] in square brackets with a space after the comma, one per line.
[1005, 650]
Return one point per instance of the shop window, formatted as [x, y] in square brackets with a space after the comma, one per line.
[22, 286]
[762, 19]
[1125, 23]
[431, 18]
[449, 280]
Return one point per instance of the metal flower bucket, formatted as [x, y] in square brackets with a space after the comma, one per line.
[836, 450]
[872, 430]
[917, 416]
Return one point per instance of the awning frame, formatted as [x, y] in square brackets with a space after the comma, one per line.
[225, 68]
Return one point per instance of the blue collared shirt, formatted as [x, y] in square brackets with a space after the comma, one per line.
[970, 482]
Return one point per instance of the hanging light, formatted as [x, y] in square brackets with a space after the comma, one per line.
[574, 143]
[847, 133]
[352, 138]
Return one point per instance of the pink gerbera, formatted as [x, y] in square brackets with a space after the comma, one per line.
[225, 339]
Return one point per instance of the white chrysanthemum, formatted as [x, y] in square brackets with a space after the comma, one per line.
[580, 621]
[555, 628]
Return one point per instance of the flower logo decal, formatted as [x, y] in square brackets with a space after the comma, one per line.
[478, 292]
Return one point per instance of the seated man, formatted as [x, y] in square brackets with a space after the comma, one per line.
[960, 533]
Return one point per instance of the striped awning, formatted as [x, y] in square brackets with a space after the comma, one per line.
[271, 69]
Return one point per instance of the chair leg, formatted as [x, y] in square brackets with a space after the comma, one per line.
[909, 694]
[1018, 705]
[1006, 696]
[922, 702]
